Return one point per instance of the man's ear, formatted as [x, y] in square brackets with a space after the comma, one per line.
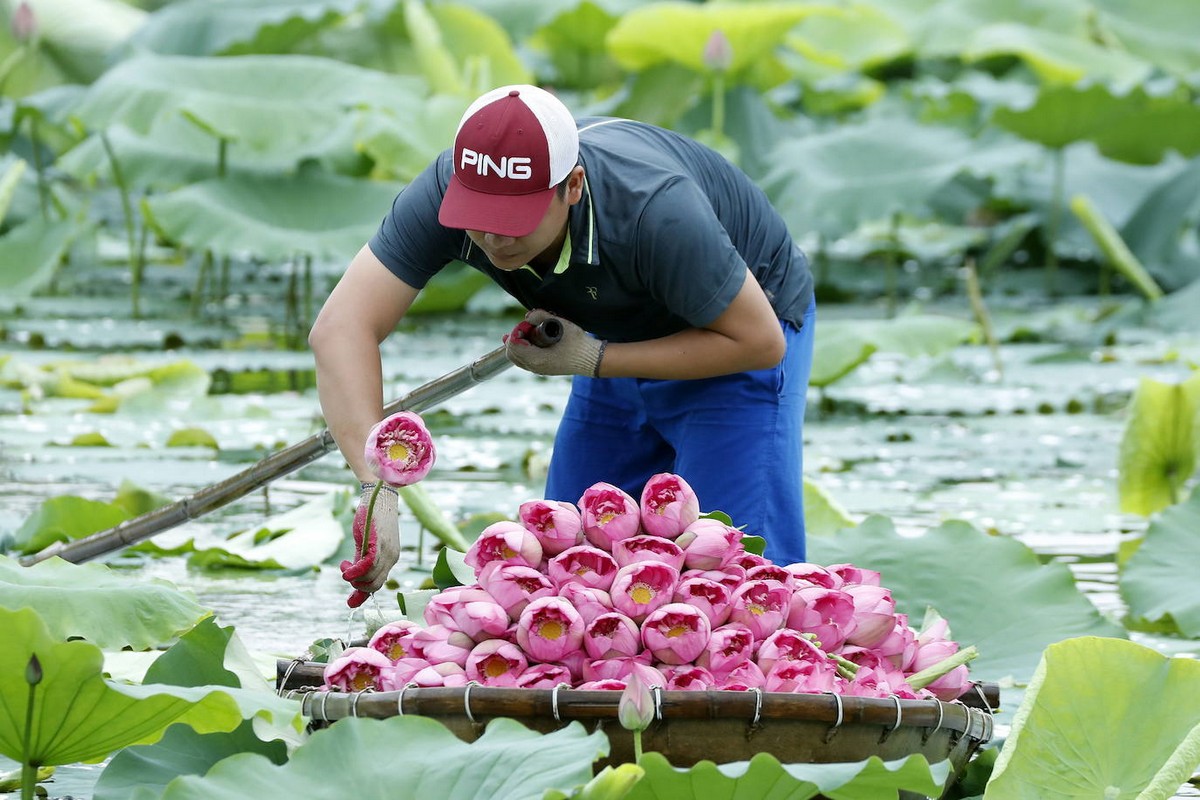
[575, 185]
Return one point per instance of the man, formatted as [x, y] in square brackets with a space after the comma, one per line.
[687, 310]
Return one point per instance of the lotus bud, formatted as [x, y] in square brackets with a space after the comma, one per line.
[874, 614]
[587, 565]
[635, 709]
[556, 524]
[727, 648]
[668, 505]
[648, 548]
[393, 639]
[688, 678]
[710, 544]
[762, 606]
[609, 514]
[544, 676]
[612, 635]
[549, 629]
[495, 662]
[507, 542]
[708, 596]
[399, 449]
[826, 613]
[513, 586]
[359, 669]
[642, 587]
[676, 633]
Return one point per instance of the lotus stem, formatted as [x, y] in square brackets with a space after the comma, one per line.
[33, 676]
[975, 295]
[919, 680]
[135, 267]
[637, 746]
[431, 517]
[39, 169]
[718, 103]
[366, 537]
[1053, 221]
[1114, 247]
[847, 669]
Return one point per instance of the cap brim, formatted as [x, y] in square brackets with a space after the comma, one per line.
[504, 214]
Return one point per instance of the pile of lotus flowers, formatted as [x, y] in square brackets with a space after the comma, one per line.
[586, 594]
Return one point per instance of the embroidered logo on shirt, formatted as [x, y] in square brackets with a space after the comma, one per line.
[591, 290]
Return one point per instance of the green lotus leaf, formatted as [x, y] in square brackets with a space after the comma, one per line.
[31, 254]
[1155, 229]
[994, 591]
[509, 761]
[1055, 57]
[479, 45]
[1066, 741]
[64, 519]
[305, 536]
[192, 437]
[835, 180]
[575, 43]
[842, 346]
[764, 776]
[78, 716]
[1157, 581]
[823, 514]
[1138, 126]
[402, 146]
[678, 32]
[266, 103]
[835, 357]
[95, 603]
[14, 168]
[1161, 444]
[233, 27]
[322, 215]
[857, 37]
[1163, 33]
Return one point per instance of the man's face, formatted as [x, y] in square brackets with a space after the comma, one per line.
[513, 252]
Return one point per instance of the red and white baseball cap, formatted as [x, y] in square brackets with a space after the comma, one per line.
[513, 146]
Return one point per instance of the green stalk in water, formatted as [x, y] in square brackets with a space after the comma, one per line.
[366, 538]
[33, 676]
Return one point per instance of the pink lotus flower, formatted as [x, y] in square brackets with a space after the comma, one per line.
[771, 572]
[648, 548]
[612, 635]
[575, 663]
[392, 639]
[676, 633]
[359, 669]
[787, 644]
[642, 587]
[448, 674]
[24, 22]
[828, 613]
[619, 667]
[814, 574]
[950, 686]
[609, 515]
[688, 678]
[800, 676]
[544, 676]
[749, 561]
[718, 52]
[731, 576]
[467, 609]
[555, 523]
[728, 647]
[899, 647]
[399, 449]
[495, 662]
[852, 574]
[874, 614]
[743, 677]
[710, 544]
[932, 648]
[871, 682]
[605, 684]
[762, 606]
[549, 629]
[590, 566]
[438, 644]
[404, 670]
[507, 542]
[514, 585]
[589, 602]
[635, 709]
[708, 596]
[668, 506]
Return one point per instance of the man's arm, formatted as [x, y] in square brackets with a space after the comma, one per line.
[362, 310]
[746, 336]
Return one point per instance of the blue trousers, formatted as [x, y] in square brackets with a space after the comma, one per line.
[736, 439]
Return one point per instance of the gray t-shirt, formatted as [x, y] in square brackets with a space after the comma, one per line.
[659, 241]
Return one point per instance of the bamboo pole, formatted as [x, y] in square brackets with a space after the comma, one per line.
[277, 465]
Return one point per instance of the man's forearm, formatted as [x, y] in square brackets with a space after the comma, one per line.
[350, 388]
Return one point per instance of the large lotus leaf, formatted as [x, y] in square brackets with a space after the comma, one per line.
[1055, 57]
[63, 519]
[835, 357]
[1161, 444]
[91, 601]
[856, 37]
[78, 716]
[234, 27]
[575, 43]
[1156, 229]
[322, 215]
[422, 758]
[403, 146]
[1164, 32]
[1139, 126]
[305, 536]
[1102, 718]
[480, 45]
[31, 253]
[764, 776]
[994, 591]
[823, 515]
[1158, 582]
[832, 181]
[75, 40]
[14, 168]
[264, 102]
[678, 32]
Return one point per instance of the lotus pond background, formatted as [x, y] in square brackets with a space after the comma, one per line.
[1000, 199]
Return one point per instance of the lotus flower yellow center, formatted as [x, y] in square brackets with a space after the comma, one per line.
[641, 594]
[362, 681]
[495, 666]
[676, 631]
[660, 510]
[397, 451]
[607, 517]
[757, 610]
[507, 552]
[396, 652]
[550, 629]
[582, 570]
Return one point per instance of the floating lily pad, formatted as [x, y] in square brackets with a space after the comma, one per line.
[1161, 444]
[1158, 581]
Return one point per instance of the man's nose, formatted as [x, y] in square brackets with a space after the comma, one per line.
[495, 240]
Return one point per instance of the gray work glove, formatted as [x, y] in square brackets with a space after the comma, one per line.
[575, 353]
[374, 559]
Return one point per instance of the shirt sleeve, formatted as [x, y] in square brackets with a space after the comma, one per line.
[410, 241]
[684, 255]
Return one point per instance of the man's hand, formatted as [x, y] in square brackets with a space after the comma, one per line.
[575, 353]
[375, 559]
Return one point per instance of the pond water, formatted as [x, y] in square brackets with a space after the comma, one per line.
[1031, 454]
